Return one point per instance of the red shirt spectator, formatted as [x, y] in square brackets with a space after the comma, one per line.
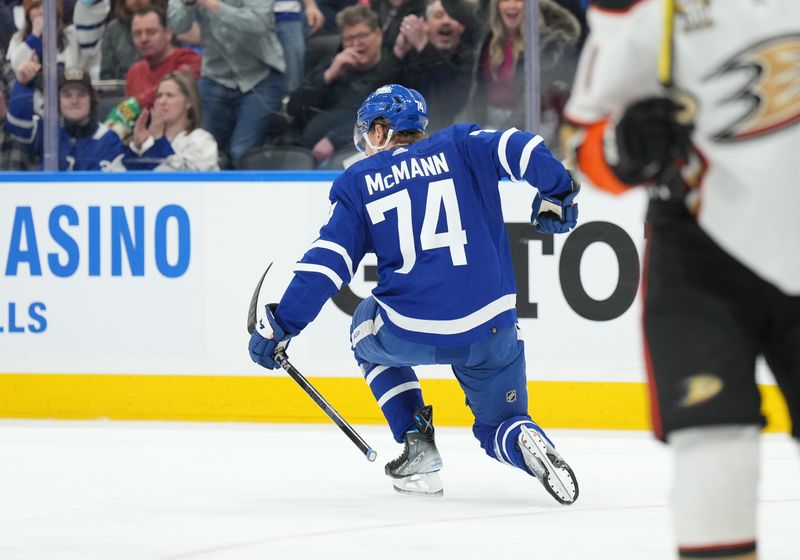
[153, 40]
[142, 80]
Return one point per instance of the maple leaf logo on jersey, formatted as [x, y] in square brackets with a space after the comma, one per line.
[773, 91]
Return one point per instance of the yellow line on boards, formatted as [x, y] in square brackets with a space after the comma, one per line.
[553, 404]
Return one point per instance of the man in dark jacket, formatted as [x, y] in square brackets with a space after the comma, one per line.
[432, 59]
[323, 106]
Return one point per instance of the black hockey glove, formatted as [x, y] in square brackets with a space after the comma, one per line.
[650, 140]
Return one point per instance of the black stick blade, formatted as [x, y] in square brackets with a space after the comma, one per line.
[251, 313]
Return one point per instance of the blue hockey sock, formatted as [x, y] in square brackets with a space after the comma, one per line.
[398, 394]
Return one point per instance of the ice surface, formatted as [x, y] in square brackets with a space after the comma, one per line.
[168, 491]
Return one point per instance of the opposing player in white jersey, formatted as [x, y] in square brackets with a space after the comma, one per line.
[700, 100]
[429, 208]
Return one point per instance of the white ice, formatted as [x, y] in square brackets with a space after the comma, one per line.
[174, 491]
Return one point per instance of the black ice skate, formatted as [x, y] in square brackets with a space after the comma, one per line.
[416, 470]
[548, 466]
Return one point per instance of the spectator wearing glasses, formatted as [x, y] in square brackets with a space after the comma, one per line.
[323, 106]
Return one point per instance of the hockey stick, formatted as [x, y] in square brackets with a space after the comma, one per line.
[283, 361]
[666, 67]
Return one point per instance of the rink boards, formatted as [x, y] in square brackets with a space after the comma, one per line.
[125, 297]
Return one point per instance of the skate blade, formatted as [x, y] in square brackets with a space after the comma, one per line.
[550, 469]
[425, 484]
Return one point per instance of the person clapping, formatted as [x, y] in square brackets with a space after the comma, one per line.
[168, 137]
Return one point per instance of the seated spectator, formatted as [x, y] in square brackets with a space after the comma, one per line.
[172, 140]
[72, 52]
[391, 14]
[84, 144]
[323, 107]
[433, 60]
[153, 41]
[291, 28]
[118, 50]
[242, 79]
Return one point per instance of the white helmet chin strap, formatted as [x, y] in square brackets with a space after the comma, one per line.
[382, 146]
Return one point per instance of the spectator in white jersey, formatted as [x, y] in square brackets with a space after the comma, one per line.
[695, 104]
[429, 209]
[77, 45]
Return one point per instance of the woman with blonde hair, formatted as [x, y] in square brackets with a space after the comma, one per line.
[168, 137]
[498, 95]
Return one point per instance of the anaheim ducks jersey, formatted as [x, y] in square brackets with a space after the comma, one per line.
[740, 61]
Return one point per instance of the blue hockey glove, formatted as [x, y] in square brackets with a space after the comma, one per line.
[266, 338]
[556, 214]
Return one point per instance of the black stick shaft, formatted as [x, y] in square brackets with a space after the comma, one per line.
[337, 419]
[280, 357]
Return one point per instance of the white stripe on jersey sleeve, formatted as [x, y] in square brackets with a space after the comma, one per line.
[331, 274]
[502, 148]
[336, 248]
[451, 326]
[525, 159]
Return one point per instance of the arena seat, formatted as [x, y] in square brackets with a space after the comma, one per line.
[278, 157]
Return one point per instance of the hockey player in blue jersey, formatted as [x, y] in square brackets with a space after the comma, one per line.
[429, 208]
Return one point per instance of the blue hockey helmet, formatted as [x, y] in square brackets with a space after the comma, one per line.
[403, 107]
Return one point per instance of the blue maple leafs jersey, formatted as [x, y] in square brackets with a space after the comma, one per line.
[431, 213]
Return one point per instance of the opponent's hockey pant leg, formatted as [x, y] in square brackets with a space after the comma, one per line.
[714, 493]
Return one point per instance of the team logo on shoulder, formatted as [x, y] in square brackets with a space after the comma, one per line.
[695, 14]
[769, 90]
[700, 388]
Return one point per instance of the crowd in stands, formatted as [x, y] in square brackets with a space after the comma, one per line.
[222, 84]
